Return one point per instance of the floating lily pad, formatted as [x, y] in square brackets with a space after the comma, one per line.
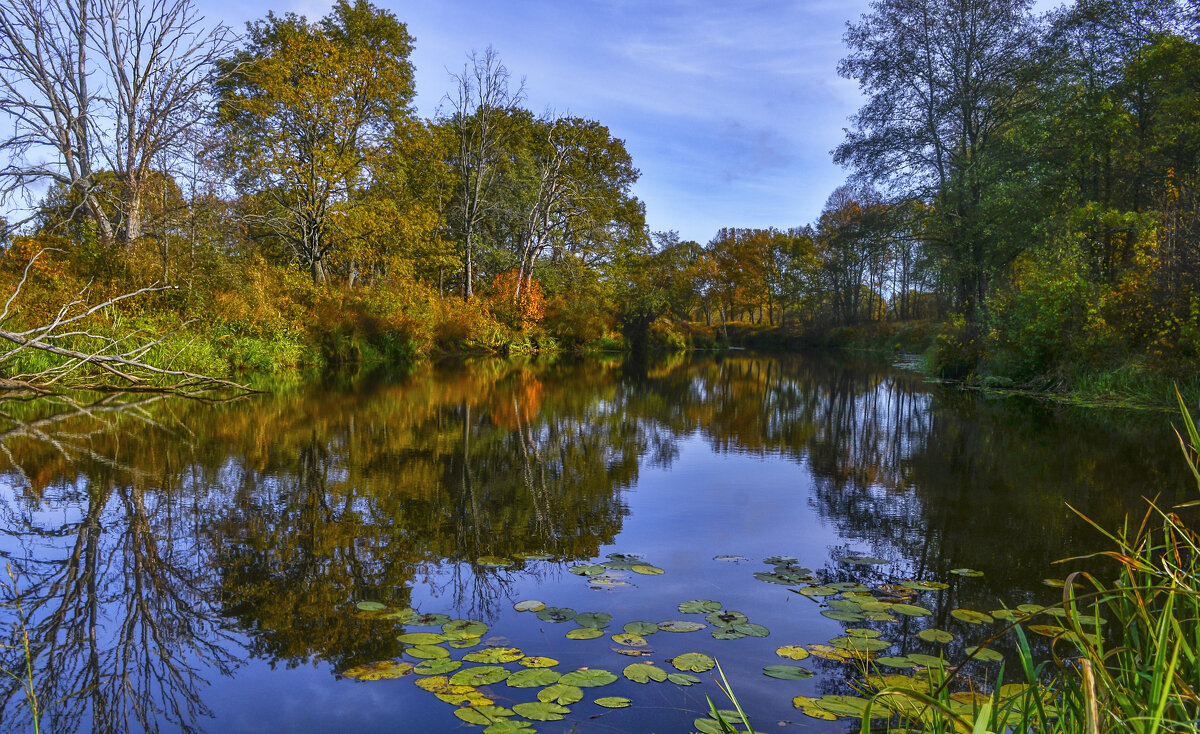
[483, 675]
[464, 642]
[529, 605]
[562, 694]
[828, 652]
[1007, 614]
[700, 606]
[860, 644]
[465, 628]
[934, 634]
[842, 615]
[818, 591]
[534, 556]
[924, 585]
[647, 570]
[852, 706]
[494, 655]
[371, 606]
[1030, 608]
[421, 638]
[911, 610]
[727, 633]
[598, 620]
[787, 672]
[680, 626]
[893, 661]
[644, 673]
[985, 654]
[619, 565]
[683, 679]
[557, 614]
[584, 633]
[494, 561]
[731, 559]
[437, 666]
[541, 711]
[625, 556]
[968, 572]
[588, 678]
[695, 662]
[725, 618]
[780, 560]
[462, 695]
[433, 683]
[633, 652]
[483, 715]
[430, 620]
[750, 629]
[630, 640]
[970, 616]
[510, 726]
[537, 661]
[864, 632]
[381, 670]
[878, 617]
[401, 615]
[783, 579]
[792, 652]
[927, 661]
[1047, 630]
[587, 569]
[423, 652]
[613, 702]
[533, 678]
[812, 707]
[641, 628]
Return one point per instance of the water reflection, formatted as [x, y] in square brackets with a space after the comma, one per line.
[161, 543]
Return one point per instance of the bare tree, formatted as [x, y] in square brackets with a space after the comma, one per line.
[480, 107]
[92, 85]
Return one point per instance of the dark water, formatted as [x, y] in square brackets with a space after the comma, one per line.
[191, 566]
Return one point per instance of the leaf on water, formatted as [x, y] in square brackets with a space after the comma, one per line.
[510, 726]
[842, 616]
[619, 565]
[852, 706]
[598, 620]
[985, 654]
[849, 587]
[529, 605]
[695, 662]
[421, 638]
[381, 670]
[859, 644]
[699, 606]
[483, 715]
[725, 618]
[584, 633]
[587, 569]
[970, 616]
[588, 678]
[644, 673]
[863, 632]
[462, 695]
[423, 652]
[533, 678]
[878, 617]
[437, 666]
[561, 694]
[494, 561]
[926, 661]
[464, 627]
[430, 620]
[683, 679]
[680, 626]
[750, 629]
[783, 579]
[968, 572]
[370, 606]
[727, 633]
[787, 672]
[811, 707]
[537, 661]
[625, 556]
[402, 615]
[613, 702]
[933, 634]
[731, 559]
[792, 652]
[924, 585]
[828, 652]
[534, 556]
[483, 675]
[1047, 630]
[633, 653]
[780, 560]
[647, 570]
[630, 640]
[464, 642]
[911, 610]
[818, 591]
[556, 614]
[1007, 614]
[494, 655]
[641, 628]
[541, 711]
[893, 661]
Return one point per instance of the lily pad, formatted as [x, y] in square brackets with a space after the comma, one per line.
[1047, 630]
[533, 678]
[588, 678]
[483, 675]
[613, 702]
[534, 556]
[644, 673]
[537, 661]
[910, 610]
[483, 715]
[465, 628]
[725, 618]
[934, 634]
[541, 711]
[510, 726]
[647, 570]
[818, 591]
[852, 706]
[587, 569]
[462, 695]
[680, 626]
[970, 616]
[494, 561]
[927, 661]
[792, 652]
[985, 654]
[828, 652]
[731, 559]
[437, 666]
[633, 652]
[787, 672]
[842, 615]
[529, 605]
[641, 628]
[494, 655]
[924, 585]
[598, 620]
[464, 642]
[895, 661]
[584, 633]
[812, 707]
[556, 614]
[780, 560]
[750, 629]
[423, 652]
[683, 679]
[699, 606]
[371, 606]
[619, 565]
[864, 632]
[421, 638]
[382, 670]
[430, 620]
[859, 644]
[695, 662]
[560, 693]
[727, 633]
[630, 640]
[968, 572]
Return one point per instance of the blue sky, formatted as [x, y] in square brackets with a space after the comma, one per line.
[729, 109]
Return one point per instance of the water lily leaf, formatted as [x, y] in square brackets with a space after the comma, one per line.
[787, 672]
[924, 585]
[1030, 608]
[683, 679]
[533, 678]
[381, 670]
[613, 702]
[828, 652]
[1060, 583]
[647, 570]
[725, 618]
[632, 652]
[529, 605]
[556, 614]
[584, 633]
[783, 579]
[878, 617]
[812, 707]
[934, 634]
[927, 661]
[864, 560]
[421, 638]
[465, 628]
[587, 569]
[893, 661]
[874, 605]
[1007, 614]
[1047, 630]
[402, 615]
[853, 706]
[644, 673]
[727, 633]
[968, 572]
[537, 661]
[588, 678]
[780, 560]
[494, 655]
[842, 616]
[483, 675]
[430, 620]
[604, 582]
[859, 644]
[707, 726]
[630, 640]
[911, 610]
[437, 666]
[792, 652]
[641, 628]
[423, 652]
[625, 556]
[433, 684]
[985, 654]
[1087, 620]
[510, 726]
[818, 591]
[370, 606]
[459, 695]
[864, 632]
[619, 565]
[494, 561]
[598, 620]
[541, 711]
[464, 642]
[849, 587]
[680, 626]
[750, 629]
[562, 694]
[483, 715]
[700, 606]
[534, 556]
[731, 559]
[1055, 611]
[695, 662]
[970, 616]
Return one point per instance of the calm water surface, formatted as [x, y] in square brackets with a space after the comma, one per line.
[184, 566]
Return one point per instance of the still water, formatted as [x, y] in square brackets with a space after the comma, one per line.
[198, 566]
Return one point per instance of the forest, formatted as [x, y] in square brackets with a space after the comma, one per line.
[1020, 207]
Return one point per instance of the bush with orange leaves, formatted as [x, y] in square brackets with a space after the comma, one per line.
[520, 305]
